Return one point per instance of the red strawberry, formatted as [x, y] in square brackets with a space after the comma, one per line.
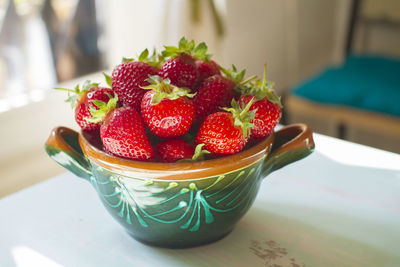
[181, 70]
[225, 133]
[123, 134]
[266, 118]
[166, 109]
[128, 77]
[173, 150]
[181, 67]
[83, 100]
[266, 104]
[217, 91]
[206, 69]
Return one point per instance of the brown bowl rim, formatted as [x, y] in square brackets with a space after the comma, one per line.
[178, 171]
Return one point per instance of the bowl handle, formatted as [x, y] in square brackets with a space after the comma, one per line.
[291, 143]
[63, 147]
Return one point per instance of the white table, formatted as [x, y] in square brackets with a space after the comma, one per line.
[338, 207]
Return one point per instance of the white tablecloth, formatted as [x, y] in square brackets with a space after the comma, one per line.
[340, 206]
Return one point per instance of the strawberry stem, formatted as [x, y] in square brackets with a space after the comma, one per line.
[262, 89]
[242, 116]
[164, 89]
[199, 154]
[248, 80]
[246, 108]
[77, 92]
[264, 80]
[236, 76]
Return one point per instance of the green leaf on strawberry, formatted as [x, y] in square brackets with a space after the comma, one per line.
[99, 113]
[144, 55]
[262, 89]
[185, 44]
[164, 89]
[72, 99]
[75, 94]
[154, 59]
[127, 59]
[237, 77]
[107, 78]
[187, 47]
[242, 116]
[200, 52]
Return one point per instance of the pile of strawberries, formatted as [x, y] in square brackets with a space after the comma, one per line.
[177, 105]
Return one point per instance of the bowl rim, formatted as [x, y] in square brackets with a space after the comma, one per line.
[177, 171]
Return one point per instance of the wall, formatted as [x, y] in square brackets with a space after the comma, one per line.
[294, 38]
[263, 37]
[322, 32]
[24, 130]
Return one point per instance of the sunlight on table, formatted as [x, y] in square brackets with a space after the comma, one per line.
[24, 257]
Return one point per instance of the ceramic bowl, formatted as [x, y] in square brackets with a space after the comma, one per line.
[179, 204]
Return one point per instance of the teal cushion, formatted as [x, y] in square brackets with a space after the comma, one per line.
[363, 81]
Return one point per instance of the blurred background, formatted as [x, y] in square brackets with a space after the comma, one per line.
[336, 63]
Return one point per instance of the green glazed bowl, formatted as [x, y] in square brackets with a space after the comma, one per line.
[178, 204]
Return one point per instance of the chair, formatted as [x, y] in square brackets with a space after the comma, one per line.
[358, 100]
